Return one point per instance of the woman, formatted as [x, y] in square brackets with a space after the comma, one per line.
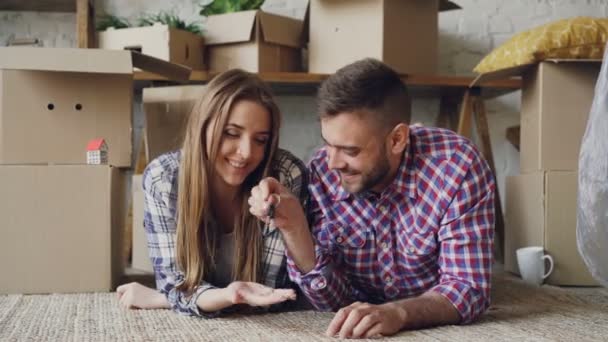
[208, 252]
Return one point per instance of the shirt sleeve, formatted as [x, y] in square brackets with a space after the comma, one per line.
[160, 227]
[466, 240]
[326, 286]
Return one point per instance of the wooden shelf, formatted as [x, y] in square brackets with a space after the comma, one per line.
[430, 84]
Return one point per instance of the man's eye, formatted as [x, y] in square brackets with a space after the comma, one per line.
[351, 153]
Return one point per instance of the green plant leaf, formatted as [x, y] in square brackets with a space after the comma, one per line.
[230, 6]
[169, 19]
[108, 20]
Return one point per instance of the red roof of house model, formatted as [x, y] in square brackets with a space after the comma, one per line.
[95, 144]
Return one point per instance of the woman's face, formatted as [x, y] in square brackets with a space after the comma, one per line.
[243, 142]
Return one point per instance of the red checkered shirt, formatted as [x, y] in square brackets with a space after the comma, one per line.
[431, 230]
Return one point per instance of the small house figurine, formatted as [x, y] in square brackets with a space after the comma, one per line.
[97, 152]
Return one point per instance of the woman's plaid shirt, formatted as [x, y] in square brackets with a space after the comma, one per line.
[160, 183]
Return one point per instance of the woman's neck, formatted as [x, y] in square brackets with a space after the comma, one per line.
[225, 204]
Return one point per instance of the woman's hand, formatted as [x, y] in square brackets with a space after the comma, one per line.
[137, 296]
[254, 294]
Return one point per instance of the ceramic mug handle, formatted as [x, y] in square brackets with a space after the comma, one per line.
[548, 257]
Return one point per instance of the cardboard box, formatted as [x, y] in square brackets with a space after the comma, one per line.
[556, 100]
[53, 101]
[401, 33]
[255, 41]
[167, 110]
[141, 258]
[541, 211]
[61, 228]
[158, 40]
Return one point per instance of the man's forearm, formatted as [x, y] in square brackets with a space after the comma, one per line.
[301, 248]
[429, 309]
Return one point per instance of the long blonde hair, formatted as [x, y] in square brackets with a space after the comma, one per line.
[196, 238]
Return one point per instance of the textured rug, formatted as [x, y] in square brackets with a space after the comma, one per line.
[519, 313]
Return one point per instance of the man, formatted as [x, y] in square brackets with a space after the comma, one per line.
[402, 217]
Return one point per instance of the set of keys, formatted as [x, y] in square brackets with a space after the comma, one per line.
[270, 215]
[271, 210]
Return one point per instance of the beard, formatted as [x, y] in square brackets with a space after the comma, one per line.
[369, 178]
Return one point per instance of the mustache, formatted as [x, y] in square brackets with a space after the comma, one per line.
[347, 171]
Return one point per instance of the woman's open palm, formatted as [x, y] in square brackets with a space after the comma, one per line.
[255, 294]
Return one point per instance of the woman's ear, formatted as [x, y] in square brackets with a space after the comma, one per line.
[399, 138]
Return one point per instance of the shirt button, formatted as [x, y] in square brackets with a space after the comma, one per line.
[384, 245]
[340, 239]
[319, 283]
[388, 279]
[382, 208]
[412, 249]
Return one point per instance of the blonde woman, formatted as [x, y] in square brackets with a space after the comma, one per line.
[209, 253]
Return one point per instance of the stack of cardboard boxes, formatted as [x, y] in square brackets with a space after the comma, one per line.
[402, 33]
[62, 219]
[541, 201]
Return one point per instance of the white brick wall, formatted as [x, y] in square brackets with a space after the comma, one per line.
[465, 37]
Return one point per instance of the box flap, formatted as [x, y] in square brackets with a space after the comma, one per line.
[520, 69]
[306, 25]
[446, 5]
[281, 30]
[500, 74]
[229, 28]
[172, 71]
[87, 61]
[66, 59]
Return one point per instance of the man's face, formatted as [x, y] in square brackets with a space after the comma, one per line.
[357, 150]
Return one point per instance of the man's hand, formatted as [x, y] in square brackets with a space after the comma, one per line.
[288, 214]
[363, 320]
[254, 294]
[289, 218]
[137, 296]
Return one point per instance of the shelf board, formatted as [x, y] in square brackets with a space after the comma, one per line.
[301, 82]
[38, 5]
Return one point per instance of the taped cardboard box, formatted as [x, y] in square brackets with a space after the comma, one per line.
[160, 41]
[401, 33]
[167, 110]
[556, 100]
[53, 101]
[62, 228]
[255, 41]
[141, 258]
[541, 211]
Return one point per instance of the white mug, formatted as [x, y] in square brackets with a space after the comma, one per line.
[531, 262]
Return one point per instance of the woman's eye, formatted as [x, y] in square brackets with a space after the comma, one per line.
[261, 141]
[231, 133]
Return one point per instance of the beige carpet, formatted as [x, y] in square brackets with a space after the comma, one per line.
[519, 313]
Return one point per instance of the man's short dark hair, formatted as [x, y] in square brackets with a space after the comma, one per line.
[368, 86]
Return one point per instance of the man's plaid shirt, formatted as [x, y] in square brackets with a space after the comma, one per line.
[430, 230]
[160, 182]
